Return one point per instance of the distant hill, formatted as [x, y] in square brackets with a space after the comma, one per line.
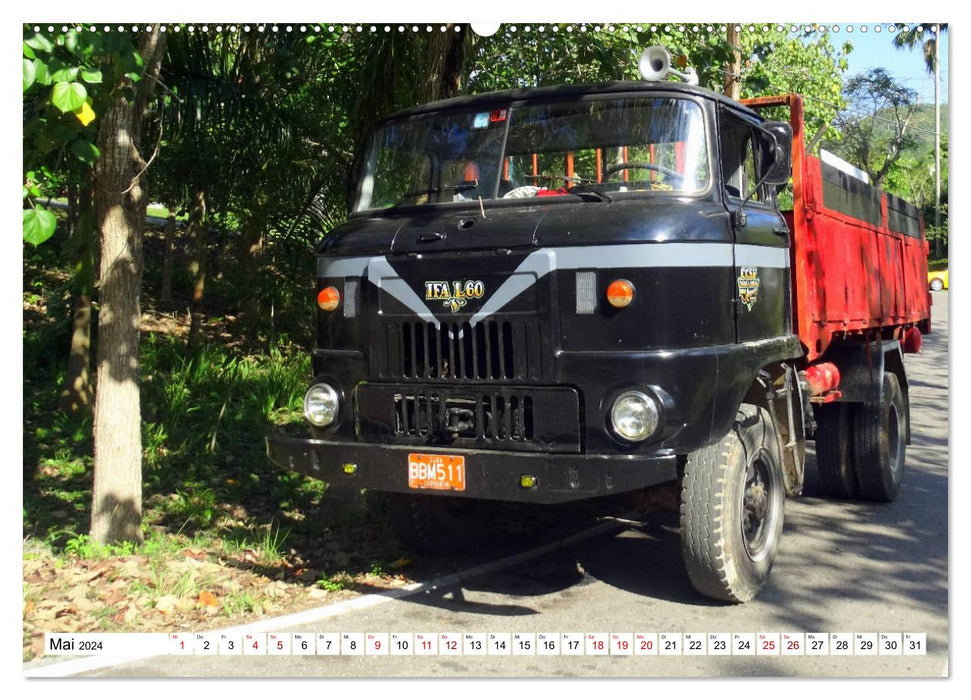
[923, 129]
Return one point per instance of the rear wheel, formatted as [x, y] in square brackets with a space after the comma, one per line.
[440, 525]
[880, 430]
[834, 450]
[732, 502]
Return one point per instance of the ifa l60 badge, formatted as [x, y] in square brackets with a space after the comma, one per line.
[748, 286]
[454, 295]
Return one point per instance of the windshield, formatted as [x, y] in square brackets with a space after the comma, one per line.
[643, 144]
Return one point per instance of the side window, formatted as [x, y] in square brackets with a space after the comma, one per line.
[740, 154]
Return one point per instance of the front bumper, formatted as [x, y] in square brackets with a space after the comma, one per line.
[490, 474]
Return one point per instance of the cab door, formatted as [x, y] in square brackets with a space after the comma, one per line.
[761, 238]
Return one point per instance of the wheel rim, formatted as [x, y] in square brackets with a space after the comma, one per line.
[759, 506]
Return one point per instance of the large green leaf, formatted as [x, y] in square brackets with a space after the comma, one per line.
[67, 97]
[91, 76]
[39, 225]
[30, 73]
[63, 73]
[42, 76]
[86, 151]
[39, 42]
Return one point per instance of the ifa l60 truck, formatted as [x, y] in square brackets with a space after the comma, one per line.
[552, 294]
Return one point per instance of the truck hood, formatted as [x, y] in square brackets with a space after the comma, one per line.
[529, 227]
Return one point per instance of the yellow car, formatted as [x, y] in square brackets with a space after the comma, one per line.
[937, 280]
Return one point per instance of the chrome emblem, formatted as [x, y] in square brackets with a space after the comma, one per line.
[455, 294]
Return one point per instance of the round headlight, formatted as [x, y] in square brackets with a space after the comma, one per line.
[320, 404]
[634, 416]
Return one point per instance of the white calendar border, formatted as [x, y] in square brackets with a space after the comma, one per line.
[826, 11]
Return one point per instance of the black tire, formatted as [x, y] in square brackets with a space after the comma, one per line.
[834, 450]
[937, 284]
[732, 502]
[440, 525]
[880, 441]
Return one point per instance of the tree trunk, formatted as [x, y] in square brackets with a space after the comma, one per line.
[165, 295]
[254, 238]
[76, 392]
[196, 236]
[733, 74]
[121, 198]
[444, 63]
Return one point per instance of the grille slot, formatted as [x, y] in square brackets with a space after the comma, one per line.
[493, 350]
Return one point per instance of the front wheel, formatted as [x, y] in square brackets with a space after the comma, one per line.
[937, 284]
[732, 501]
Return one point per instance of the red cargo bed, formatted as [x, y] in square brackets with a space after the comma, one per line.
[859, 256]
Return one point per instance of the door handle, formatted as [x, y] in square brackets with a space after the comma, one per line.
[431, 237]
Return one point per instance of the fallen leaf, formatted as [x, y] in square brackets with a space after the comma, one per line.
[37, 645]
[196, 553]
[28, 607]
[250, 556]
[64, 611]
[207, 599]
[132, 568]
[166, 604]
[113, 597]
[130, 614]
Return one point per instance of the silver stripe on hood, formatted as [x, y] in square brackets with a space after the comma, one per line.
[541, 262]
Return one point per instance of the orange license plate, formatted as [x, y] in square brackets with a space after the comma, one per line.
[436, 472]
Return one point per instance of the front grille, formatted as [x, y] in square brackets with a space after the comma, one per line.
[490, 351]
[530, 419]
[491, 416]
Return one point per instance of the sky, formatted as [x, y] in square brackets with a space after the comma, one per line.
[872, 49]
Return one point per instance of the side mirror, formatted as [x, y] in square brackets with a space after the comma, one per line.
[778, 141]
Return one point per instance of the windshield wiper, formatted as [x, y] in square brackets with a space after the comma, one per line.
[588, 193]
[461, 187]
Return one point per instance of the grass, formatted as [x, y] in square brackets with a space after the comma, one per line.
[206, 476]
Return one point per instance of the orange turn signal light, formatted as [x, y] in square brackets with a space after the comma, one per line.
[328, 298]
[620, 293]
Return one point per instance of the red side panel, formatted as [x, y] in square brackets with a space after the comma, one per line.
[850, 277]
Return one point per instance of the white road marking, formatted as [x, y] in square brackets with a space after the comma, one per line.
[286, 622]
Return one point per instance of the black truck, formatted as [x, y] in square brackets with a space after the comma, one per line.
[552, 294]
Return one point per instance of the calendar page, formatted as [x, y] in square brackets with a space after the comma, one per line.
[519, 454]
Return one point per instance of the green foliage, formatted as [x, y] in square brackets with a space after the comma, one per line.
[806, 63]
[39, 224]
[877, 126]
[68, 97]
[335, 583]
[68, 80]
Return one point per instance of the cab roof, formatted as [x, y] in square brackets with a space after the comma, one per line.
[503, 97]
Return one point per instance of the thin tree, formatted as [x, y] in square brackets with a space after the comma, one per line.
[121, 197]
[877, 126]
